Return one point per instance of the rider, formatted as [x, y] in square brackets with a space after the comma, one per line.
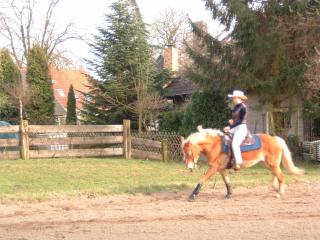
[237, 125]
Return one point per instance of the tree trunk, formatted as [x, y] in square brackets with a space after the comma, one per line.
[21, 109]
[140, 116]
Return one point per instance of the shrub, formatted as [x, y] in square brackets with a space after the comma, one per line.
[208, 109]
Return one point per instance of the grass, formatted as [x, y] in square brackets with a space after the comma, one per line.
[39, 180]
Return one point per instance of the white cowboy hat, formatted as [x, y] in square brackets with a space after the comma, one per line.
[237, 93]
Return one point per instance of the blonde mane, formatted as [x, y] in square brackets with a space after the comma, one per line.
[201, 135]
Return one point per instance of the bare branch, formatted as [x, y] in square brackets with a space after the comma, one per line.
[17, 19]
[47, 22]
[170, 27]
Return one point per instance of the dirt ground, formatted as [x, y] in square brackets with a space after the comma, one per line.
[253, 213]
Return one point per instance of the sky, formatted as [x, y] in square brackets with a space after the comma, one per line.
[87, 15]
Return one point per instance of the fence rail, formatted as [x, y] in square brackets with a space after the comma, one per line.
[76, 140]
[75, 128]
[97, 152]
[9, 142]
[9, 129]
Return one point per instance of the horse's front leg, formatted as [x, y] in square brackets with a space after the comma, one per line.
[226, 182]
[211, 171]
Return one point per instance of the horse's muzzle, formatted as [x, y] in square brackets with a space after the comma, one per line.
[190, 166]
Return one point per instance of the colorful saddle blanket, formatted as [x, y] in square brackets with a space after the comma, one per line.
[252, 142]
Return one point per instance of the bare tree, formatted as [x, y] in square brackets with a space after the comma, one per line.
[147, 106]
[17, 27]
[170, 27]
[20, 94]
[153, 107]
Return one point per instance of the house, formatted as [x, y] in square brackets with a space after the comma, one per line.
[180, 88]
[62, 79]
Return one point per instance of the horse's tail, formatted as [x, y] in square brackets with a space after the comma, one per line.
[287, 159]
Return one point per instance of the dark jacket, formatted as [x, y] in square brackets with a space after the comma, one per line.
[239, 115]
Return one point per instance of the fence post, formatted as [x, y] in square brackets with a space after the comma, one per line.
[24, 134]
[267, 123]
[164, 144]
[126, 139]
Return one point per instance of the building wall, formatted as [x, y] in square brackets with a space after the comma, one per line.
[257, 117]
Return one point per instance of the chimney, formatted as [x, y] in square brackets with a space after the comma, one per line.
[171, 58]
[202, 25]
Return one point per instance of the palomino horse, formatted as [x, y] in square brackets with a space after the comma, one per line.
[273, 151]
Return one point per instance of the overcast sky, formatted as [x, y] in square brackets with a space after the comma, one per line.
[88, 15]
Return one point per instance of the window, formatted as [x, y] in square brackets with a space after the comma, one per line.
[61, 93]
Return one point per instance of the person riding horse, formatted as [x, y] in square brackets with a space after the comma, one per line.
[237, 125]
[271, 150]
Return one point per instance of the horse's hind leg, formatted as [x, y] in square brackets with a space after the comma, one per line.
[276, 171]
[275, 182]
[227, 183]
[273, 162]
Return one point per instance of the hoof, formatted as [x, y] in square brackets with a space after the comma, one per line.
[278, 195]
[228, 196]
[192, 198]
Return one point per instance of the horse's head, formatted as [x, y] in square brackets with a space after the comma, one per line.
[191, 154]
[197, 143]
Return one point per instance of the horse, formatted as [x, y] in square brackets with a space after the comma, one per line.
[208, 142]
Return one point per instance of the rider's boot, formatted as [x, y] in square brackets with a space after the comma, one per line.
[237, 167]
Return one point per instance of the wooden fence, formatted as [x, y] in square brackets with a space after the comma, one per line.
[10, 142]
[50, 141]
[168, 144]
[149, 149]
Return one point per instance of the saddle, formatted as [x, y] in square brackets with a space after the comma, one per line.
[250, 143]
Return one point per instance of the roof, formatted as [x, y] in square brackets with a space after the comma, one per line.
[180, 86]
[59, 110]
[62, 79]
[160, 62]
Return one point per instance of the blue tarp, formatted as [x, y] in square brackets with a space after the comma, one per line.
[7, 135]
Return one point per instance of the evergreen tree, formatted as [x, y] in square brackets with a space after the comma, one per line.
[41, 107]
[124, 66]
[208, 109]
[71, 108]
[271, 44]
[9, 78]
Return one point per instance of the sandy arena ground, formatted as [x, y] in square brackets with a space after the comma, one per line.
[253, 213]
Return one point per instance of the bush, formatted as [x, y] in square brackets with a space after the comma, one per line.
[294, 145]
[208, 109]
[171, 121]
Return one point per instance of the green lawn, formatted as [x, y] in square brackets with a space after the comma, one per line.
[38, 180]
